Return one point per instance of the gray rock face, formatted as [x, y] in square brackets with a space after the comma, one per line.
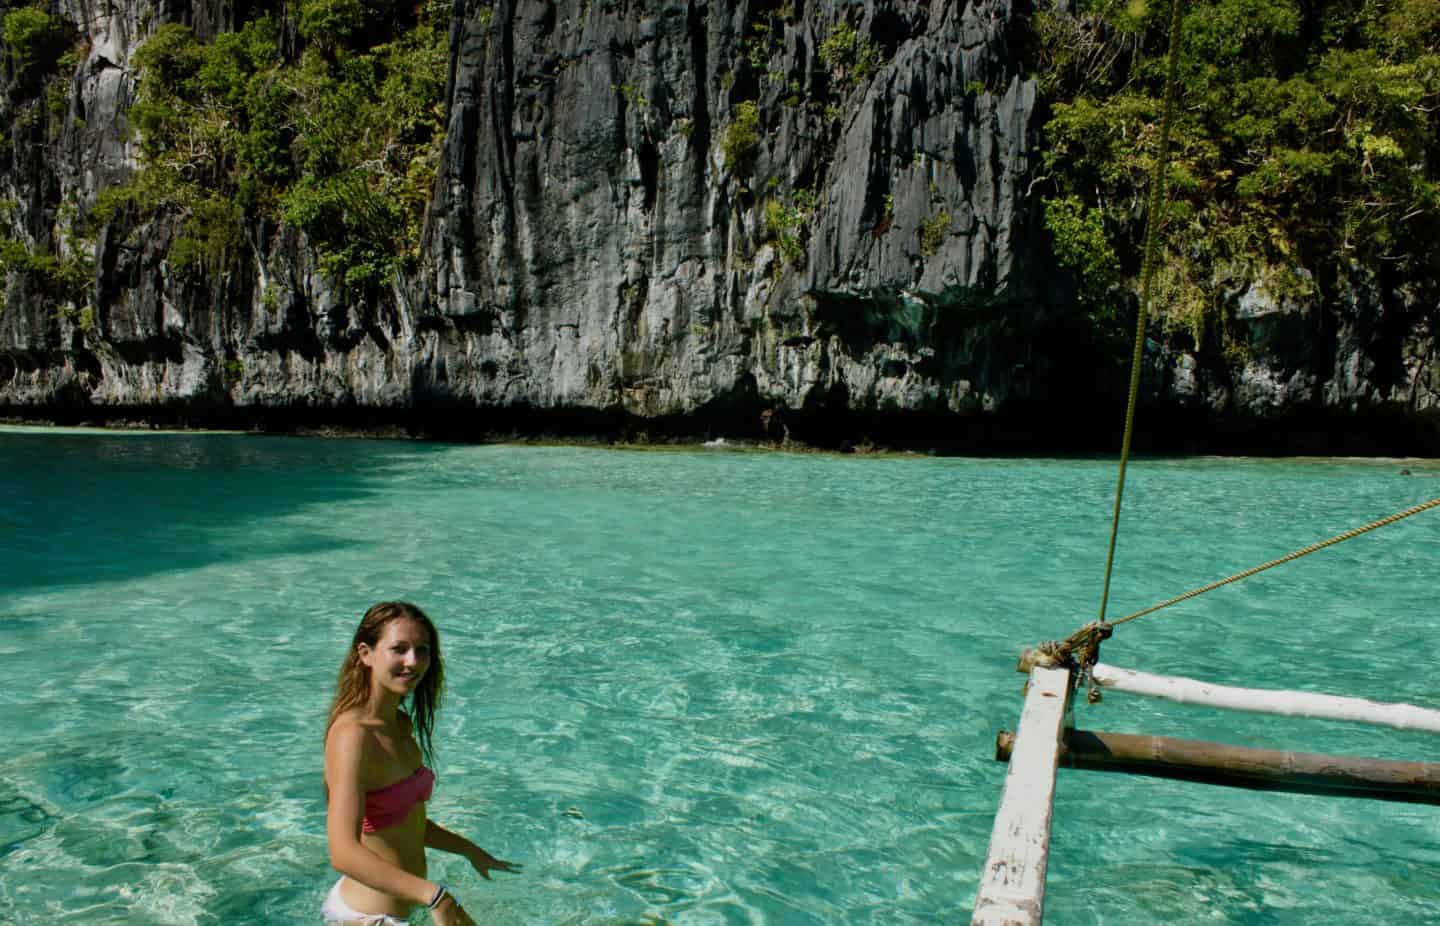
[606, 255]
[660, 209]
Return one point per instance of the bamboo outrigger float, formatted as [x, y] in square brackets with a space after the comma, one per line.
[1012, 884]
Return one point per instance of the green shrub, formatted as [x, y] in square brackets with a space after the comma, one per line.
[933, 232]
[1082, 246]
[61, 279]
[109, 204]
[353, 224]
[331, 22]
[742, 137]
[57, 98]
[170, 60]
[786, 225]
[209, 236]
[34, 43]
[235, 58]
[782, 226]
[850, 59]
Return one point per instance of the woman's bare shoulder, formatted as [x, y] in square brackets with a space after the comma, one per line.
[348, 733]
[348, 746]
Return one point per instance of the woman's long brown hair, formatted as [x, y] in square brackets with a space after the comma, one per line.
[352, 689]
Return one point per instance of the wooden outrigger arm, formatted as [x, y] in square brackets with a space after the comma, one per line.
[1012, 884]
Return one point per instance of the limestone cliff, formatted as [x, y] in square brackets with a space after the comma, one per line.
[681, 215]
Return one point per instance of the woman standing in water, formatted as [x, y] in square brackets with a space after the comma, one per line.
[377, 778]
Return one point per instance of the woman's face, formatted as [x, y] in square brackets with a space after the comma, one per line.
[399, 658]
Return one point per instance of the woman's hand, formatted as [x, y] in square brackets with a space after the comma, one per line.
[484, 863]
[450, 913]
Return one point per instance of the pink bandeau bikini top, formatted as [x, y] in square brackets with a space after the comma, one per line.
[389, 805]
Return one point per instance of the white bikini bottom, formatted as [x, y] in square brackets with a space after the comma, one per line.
[336, 911]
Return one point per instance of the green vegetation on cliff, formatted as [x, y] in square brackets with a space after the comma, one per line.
[34, 41]
[1305, 137]
[40, 57]
[340, 142]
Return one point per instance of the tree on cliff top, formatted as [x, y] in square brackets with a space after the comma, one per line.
[1305, 136]
[33, 41]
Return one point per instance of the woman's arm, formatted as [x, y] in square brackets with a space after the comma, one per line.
[438, 837]
[343, 819]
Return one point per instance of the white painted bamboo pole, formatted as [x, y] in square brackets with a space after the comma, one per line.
[1012, 885]
[1261, 701]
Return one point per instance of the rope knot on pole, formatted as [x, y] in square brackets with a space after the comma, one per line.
[1078, 652]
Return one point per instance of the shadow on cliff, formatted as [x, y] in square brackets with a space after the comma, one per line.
[82, 508]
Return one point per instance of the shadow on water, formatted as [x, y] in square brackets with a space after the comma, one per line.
[86, 507]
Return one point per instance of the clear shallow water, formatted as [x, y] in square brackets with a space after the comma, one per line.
[687, 687]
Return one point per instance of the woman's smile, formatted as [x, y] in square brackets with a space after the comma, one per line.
[402, 654]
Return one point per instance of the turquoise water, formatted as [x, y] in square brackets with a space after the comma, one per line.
[687, 687]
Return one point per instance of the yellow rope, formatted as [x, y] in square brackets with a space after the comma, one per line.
[1147, 272]
[1284, 559]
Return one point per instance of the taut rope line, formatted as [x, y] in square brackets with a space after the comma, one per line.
[1147, 272]
[1338, 538]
